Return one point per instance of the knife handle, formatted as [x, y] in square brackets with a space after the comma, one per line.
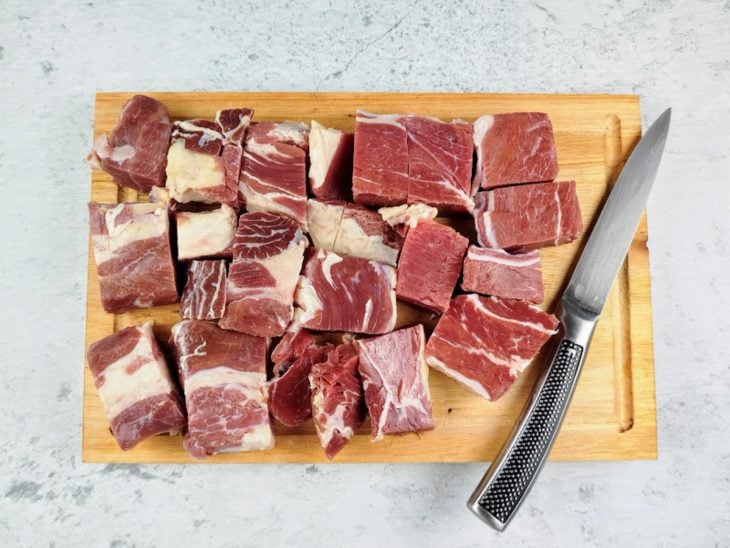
[510, 477]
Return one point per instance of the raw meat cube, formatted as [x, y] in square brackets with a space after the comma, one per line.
[134, 385]
[223, 374]
[395, 379]
[290, 398]
[350, 229]
[330, 163]
[268, 252]
[380, 163]
[204, 296]
[205, 233]
[514, 148]
[485, 342]
[525, 217]
[200, 167]
[350, 294]
[274, 175]
[291, 346]
[133, 258]
[338, 407]
[439, 163]
[501, 274]
[430, 264]
[135, 152]
[324, 220]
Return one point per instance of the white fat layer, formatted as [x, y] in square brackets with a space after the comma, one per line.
[368, 313]
[266, 150]
[296, 132]
[285, 266]
[381, 119]
[324, 221]
[269, 202]
[122, 153]
[159, 195]
[481, 126]
[500, 257]
[248, 382]
[352, 240]
[188, 128]
[489, 233]
[531, 325]
[190, 172]
[409, 215]
[205, 233]
[122, 389]
[148, 221]
[323, 143]
[471, 384]
[308, 304]
[260, 438]
[334, 423]
[329, 261]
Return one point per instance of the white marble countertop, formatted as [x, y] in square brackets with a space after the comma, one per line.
[55, 55]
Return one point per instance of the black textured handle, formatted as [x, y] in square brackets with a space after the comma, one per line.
[521, 463]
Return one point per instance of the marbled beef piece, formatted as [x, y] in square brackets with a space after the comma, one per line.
[501, 274]
[204, 296]
[135, 152]
[135, 386]
[131, 244]
[330, 163]
[223, 375]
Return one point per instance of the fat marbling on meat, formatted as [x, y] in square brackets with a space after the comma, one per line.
[223, 375]
[135, 152]
[203, 163]
[525, 217]
[338, 406]
[135, 386]
[203, 234]
[131, 244]
[395, 380]
[268, 251]
[486, 342]
[514, 148]
[501, 274]
[340, 293]
[330, 163]
[429, 265]
[274, 174]
[204, 296]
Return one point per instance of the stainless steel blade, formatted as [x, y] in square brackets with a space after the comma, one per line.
[611, 236]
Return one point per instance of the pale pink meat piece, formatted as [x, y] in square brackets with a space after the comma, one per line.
[330, 163]
[525, 217]
[514, 148]
[440, 163]
[429, 265]
[202, 234]
[395, 380]
[485, 342]
[223, 374]
[268, 252]
[340, 293]
[131, 244]
[274, 174]
[135, 386]
[338, 405]
[135, 152]
[380, 163]
[204, 296]
[501, 274]
[291, 346]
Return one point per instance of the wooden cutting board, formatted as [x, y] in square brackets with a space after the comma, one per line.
[613, 414]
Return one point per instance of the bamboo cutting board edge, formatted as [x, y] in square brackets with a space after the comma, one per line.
[635, 436]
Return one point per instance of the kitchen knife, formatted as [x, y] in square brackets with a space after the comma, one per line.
[510, 477]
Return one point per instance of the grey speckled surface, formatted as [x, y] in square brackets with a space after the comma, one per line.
[54, 55]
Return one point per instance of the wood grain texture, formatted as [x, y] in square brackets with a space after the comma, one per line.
[613, 413]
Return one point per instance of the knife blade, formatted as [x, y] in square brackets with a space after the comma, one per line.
[510, 477]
